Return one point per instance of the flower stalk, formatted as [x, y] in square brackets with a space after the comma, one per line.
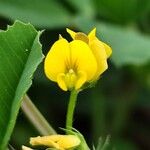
[71, 108]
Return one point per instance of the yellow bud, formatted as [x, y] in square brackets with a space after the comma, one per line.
[60, 142]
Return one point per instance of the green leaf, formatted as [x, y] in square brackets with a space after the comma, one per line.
[49, 13]
[122, 11]
[20, 54]
[129, 46]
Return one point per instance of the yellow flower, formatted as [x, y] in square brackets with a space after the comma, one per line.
[71, 64]
[100, 50]
[60, 142]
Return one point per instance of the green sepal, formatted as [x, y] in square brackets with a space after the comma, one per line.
[83, 145]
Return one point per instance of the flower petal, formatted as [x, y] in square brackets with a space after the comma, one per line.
[72, 33]
[60, 142]
[82, 77]
[82, 58]
[92, 34]
[43, 141]
[61, 81]
[99, 52]
[68, 141]
[56, 59]
[107, 49]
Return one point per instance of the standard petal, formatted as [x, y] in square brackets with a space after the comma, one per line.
[72, 33]
[82, 58]
[92, 34]
[57, 59]
[99, 52]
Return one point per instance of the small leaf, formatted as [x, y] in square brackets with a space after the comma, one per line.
[20, 54]
[100, 143]
[106, 144]
[103, 144]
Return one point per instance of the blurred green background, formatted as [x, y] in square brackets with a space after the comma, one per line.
[119, 105]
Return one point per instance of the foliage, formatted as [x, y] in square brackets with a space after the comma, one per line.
[20, 53]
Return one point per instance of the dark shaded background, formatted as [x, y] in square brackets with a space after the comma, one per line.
[119, 105]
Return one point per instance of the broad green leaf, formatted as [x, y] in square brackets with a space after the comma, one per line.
[20, 54]
[122, 11]
[128, 45]
[47, 13]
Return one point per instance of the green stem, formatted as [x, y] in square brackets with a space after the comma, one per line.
[36, 118]
[71, 108]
